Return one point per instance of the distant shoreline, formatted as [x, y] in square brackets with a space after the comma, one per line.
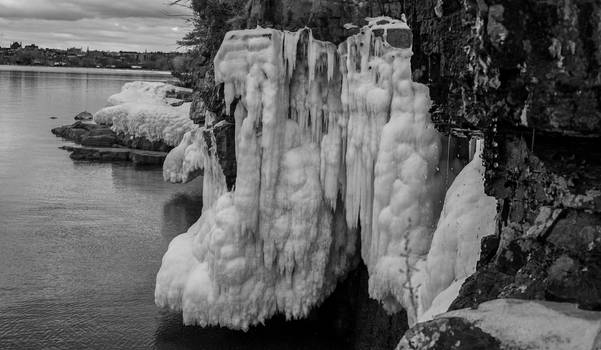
[22, 67]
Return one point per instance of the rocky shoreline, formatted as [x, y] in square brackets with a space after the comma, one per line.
[140, 124]
[116, 154]
[100, 143]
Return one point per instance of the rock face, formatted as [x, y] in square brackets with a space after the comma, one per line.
[560, 262]
[80, 132]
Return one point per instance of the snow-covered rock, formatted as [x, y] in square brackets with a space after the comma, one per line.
[141, 109]
[147, 92]
[152, 121]
[529, 324]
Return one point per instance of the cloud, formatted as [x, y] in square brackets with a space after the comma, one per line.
[136, 34]
[72, 10]
[99, 24]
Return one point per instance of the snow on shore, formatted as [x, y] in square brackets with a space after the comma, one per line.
[142, 109]
[145, 91]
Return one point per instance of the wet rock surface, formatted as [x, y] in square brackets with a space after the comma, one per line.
[85, 115]
[95, 135]
[109, 154]
[100, 143]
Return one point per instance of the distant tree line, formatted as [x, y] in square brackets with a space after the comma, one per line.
[18, 54]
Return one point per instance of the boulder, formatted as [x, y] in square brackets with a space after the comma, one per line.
[448, 334]
[85, 115]
[111, 154]
[147, 157]
[509, 324]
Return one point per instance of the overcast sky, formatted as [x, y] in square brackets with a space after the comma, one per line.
[136, 25]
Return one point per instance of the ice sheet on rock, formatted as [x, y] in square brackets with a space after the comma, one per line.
[529, 324]
[467, 216]
[173, 164]
[186, 161]
[155, 122]
[146, 92]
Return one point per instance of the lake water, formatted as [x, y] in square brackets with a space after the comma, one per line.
[80, 243]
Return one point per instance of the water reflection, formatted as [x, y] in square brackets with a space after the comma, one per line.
[276, 334]
[179, 213]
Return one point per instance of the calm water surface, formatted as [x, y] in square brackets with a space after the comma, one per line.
[80, 243]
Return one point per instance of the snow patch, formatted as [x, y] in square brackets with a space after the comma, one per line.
[154, 122]
[142, 109]
[146, 92]
[524, 324]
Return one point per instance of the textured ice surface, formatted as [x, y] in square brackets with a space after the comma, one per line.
[274, 244]
[145, 91]
[186, 161]
[328, 140]
[142, 110]
[155, 122]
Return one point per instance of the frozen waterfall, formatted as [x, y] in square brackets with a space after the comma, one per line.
[330, 141]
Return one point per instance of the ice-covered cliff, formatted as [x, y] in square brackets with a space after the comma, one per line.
[330, 141]
[144, 109]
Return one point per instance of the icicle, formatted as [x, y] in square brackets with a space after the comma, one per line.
[214, 185]
[290, 47]
[312, 56]
[331, 52]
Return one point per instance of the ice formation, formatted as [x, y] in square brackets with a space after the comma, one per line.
[142, 109]
[186, 161]
[467, 216]
[329, 140]
[155, 122]
[145, 91]
[274, 244]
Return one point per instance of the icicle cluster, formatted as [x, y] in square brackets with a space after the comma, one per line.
[274, 244]
[186, 161]
[328, 139]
